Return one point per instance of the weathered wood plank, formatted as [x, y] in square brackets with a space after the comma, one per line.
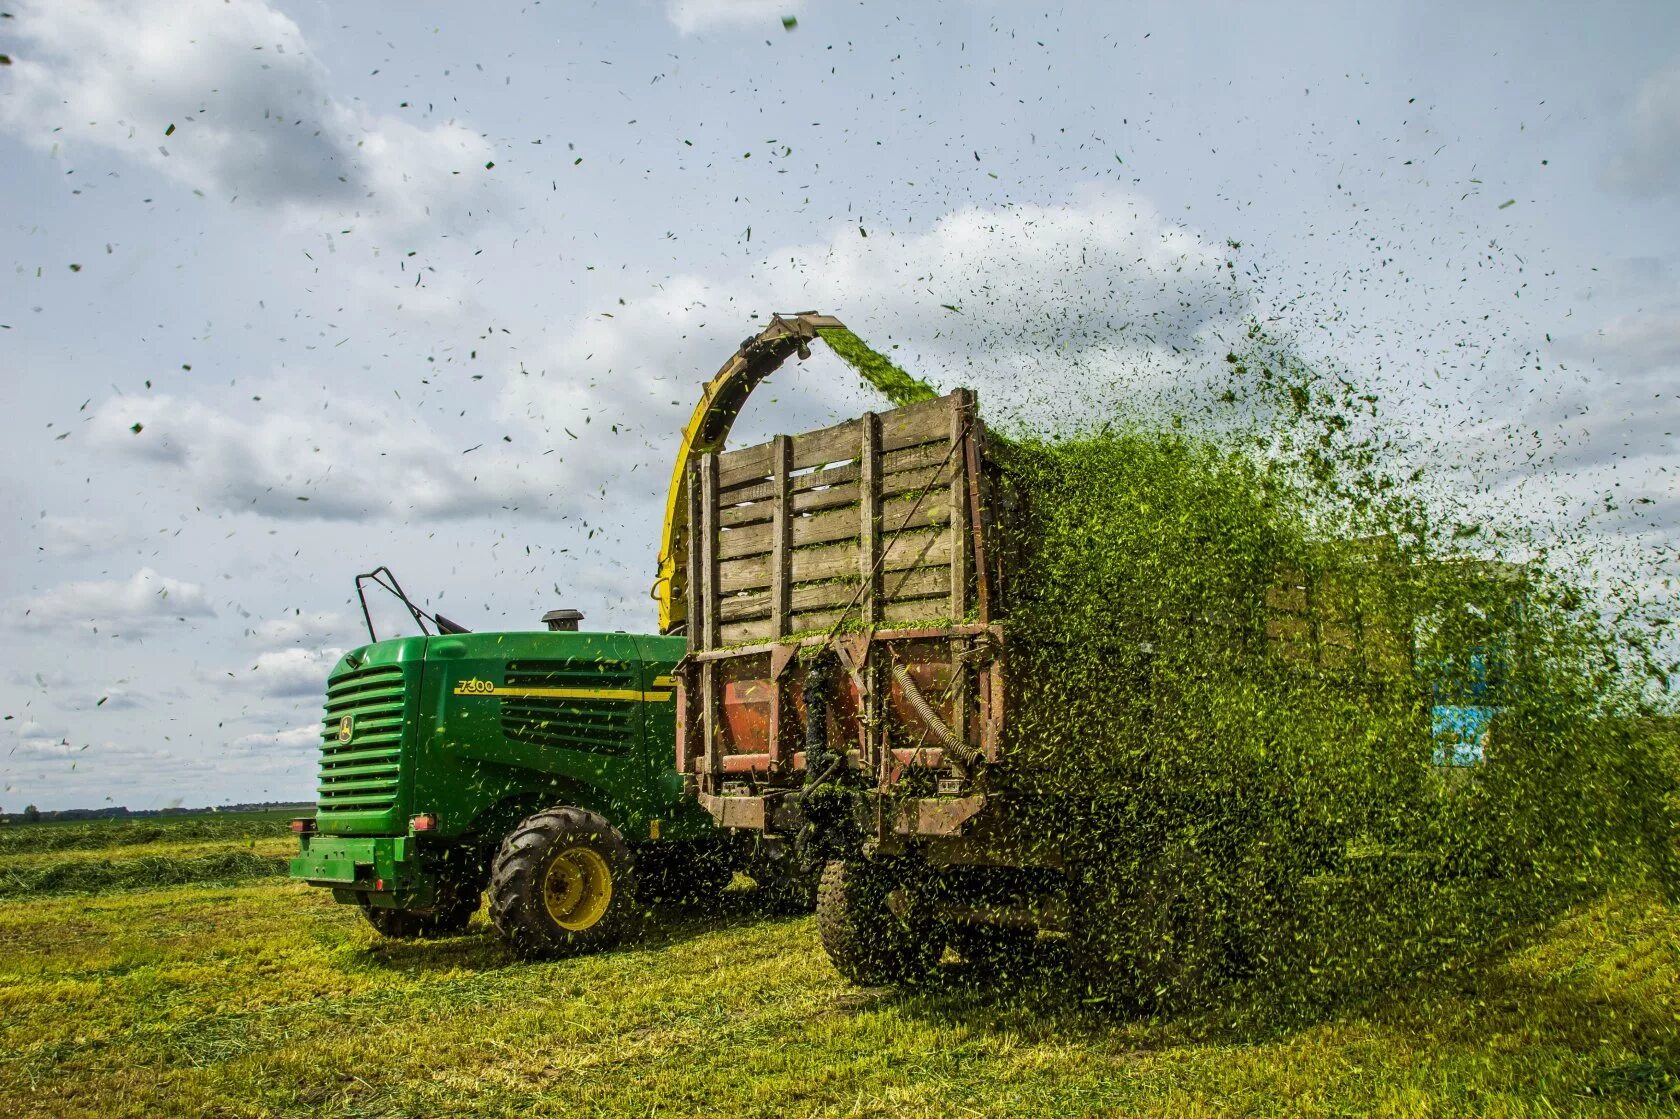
[920, 548]
[915, 582]
[735, 467]
[957, 497]
[926, 422]
[695, 601]
[821, 562]
[759, 488]
[830, 526]
[825, 445]
[868, 524]
[780, 532]
[956, 604]
[747, 574]
[901, 428]
[912, 610]
[734, 633]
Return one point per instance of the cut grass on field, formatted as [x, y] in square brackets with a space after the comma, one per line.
[145, 871]
[266, 999]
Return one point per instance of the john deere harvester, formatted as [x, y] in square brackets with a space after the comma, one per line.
[536, 765]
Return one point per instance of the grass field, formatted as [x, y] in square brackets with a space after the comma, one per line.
[249, 995]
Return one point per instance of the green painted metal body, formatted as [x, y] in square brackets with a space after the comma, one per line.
[479, 731]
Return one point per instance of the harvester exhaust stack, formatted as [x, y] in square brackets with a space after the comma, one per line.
[563, 621]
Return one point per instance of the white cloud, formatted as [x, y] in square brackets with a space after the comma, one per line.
[291, 672]
[75, 535]
[304, 739]
[33, 741]
[1621, 406]
[131, 605]
[300, 628]
[689, 16]
[226, 96]
[1637, 340]
[355, 462]
[1061, 309]
[1649, 163]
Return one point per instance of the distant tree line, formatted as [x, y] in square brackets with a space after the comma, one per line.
[32, 814]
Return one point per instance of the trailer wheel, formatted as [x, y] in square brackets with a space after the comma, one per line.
[871, 940]
[1177, 933]
[562, 885]
[991, 950]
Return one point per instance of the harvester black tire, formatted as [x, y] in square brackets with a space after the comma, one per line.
[867, 941]
[562, 884]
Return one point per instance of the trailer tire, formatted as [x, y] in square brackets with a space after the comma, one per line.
[1177, 931]
[562, 885]
[992, 950]
[867, 941]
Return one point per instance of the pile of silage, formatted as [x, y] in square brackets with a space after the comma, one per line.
[1227, 712]
[1232, 658]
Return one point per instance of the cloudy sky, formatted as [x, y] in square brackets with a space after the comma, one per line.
[298, 288]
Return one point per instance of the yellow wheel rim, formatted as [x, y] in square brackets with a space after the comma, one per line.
[577, 888]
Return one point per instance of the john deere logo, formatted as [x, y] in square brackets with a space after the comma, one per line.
[347, 728]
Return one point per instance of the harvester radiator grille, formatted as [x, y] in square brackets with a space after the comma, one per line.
[603, 723]
[361, 773]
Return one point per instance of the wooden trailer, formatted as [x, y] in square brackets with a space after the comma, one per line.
[847, 687]
[843, 594]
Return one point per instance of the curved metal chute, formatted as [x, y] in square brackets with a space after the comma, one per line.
[722, 400]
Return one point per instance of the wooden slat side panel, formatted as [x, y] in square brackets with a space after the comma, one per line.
[930, 610]
[957, 498]
[695, 601]
[916, 458]
[811, 479]
[915, 582]
[956, 604]
[748, 574]
[708, 529]
[920, 548]
[736, 633]
[832, 525]
[759, 488]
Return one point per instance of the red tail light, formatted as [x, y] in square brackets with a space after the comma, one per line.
[426, 821]
[303, 825]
